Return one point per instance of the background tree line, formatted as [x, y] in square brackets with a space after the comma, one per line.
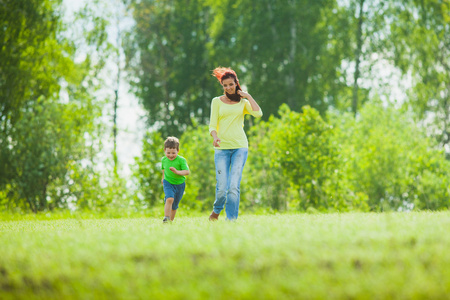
[333, 136]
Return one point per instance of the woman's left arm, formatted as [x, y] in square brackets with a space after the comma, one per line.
[255, 106]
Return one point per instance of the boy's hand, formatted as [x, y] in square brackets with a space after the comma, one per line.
[173, 170]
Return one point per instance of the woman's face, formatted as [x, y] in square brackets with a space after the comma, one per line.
[229, 85]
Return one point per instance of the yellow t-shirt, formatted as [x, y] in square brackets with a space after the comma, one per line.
[228, 121]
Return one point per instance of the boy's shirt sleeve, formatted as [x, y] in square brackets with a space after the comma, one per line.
[162, 163]
[184, 165]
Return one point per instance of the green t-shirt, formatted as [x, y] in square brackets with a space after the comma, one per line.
[178, 163]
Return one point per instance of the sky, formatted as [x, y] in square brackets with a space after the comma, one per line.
[130, 115]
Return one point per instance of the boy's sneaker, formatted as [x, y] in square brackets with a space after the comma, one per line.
[166, 220]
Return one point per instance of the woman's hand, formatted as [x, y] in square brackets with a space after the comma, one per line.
[252, 101]
[244, 94]
[216, 142]
[216, 139]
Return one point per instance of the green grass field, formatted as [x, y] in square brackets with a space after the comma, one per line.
[301, 256]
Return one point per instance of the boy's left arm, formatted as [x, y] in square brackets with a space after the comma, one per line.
[181, 172]
[184, 169]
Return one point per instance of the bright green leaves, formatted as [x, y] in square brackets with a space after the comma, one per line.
[387, 158]
[283, 53]
[420, 35]
[47, 141]
[49, 118]
[297, 154]
[299, 161]
[147, 171]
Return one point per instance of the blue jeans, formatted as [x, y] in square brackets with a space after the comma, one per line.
[229, 166]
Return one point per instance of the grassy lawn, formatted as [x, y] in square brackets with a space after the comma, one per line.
[301, 256]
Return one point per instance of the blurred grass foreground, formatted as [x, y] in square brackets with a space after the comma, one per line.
[291, 256]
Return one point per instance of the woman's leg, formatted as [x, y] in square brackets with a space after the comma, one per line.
[222, 161]
[238, 159]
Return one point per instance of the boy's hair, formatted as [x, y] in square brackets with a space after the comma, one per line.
[172, 142]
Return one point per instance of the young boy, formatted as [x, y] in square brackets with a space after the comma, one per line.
[174, 169]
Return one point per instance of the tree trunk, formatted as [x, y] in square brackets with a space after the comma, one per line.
[358, 51]
[116, 93]
[292, 101]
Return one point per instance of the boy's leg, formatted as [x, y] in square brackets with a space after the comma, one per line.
[168, 200]
[179, 192]
[168, 208]
[172, 214]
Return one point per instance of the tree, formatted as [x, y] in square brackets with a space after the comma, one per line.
[421, 43]
[27, 37]
[46, 141]
[50, 118]
[147, 170]
[284, 52]
[389, 159]
[196, 147]
[307, 156]
[170, 64]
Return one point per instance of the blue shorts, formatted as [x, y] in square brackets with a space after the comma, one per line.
[174, 191]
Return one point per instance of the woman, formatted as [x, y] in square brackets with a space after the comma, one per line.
[230, 142]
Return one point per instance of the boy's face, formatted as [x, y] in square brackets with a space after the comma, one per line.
[171, 153]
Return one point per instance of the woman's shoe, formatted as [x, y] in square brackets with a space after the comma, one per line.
[213, 216]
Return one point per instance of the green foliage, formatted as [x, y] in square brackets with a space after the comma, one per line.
[296, 164]
[389, 159]
[147, 171]
[419, 39]
[171, 73]
[377, 161]
[50, 119]
[46, 150]
[196, 147]
[175, 45]
[27, 40]
[306, 156]
[283, 59]
[367, 163]
[51, 126]
[264, 185]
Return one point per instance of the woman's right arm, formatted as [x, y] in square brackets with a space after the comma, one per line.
[216, 140]
[213, 121]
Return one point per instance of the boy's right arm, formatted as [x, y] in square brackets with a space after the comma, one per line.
[162, 177]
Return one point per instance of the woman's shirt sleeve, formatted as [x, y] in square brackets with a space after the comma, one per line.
[249, 110]
[214, 118]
